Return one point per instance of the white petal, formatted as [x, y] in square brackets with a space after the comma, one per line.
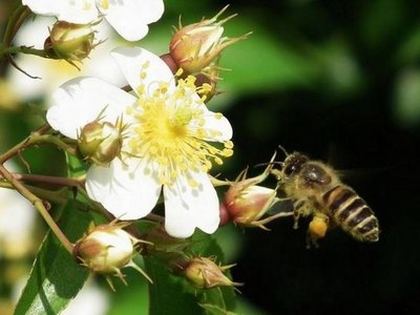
[91, 300]
[34, 88]
[217, 126]
[130, 17]
[100, 63]
[74, 11]
[187, 208]
[80, 101]
[53, 72]
[34, 32]
[131, 61]
[47, 7]
[127, 191]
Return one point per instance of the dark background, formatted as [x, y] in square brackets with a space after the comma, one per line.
[356, 129]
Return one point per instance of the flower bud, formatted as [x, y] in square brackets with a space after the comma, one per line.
[246, 202]
[105, 249]
[247, 205]
[71, 42]
[101, 142]
[204, 273]
[195, 46]
[108, 248]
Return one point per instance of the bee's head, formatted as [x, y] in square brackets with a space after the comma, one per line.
[293, 163]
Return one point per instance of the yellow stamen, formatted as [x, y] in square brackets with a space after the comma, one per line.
[105, 4]
[170, 132]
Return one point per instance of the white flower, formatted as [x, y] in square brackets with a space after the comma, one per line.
[91, 300]
[17, 219]
[168, 129]
[130, 18]
[53, 73]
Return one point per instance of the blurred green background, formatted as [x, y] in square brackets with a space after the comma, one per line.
[339, 81]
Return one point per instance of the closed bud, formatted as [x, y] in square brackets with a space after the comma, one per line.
[71, 42]
[247, 205]
[101, 142]
[195, 46]
[105, 249]
[246, 202]
[204, 273]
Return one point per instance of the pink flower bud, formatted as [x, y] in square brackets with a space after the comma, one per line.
[246, 202]
[196, 46]
[247, 205]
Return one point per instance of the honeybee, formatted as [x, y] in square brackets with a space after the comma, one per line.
[317, 192]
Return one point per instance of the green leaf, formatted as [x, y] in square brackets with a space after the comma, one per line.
[55, 277]
[171, 294]
[76, 167]
[168, 294]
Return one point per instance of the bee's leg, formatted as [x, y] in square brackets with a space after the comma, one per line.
[317, 229]
[261, 223]
[311, 241]
[298, 207]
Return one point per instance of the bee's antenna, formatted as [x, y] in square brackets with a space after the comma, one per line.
[284, 150]
[269, 163]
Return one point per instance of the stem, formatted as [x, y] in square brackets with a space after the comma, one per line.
[53, 180]
[155, 217]
[37, 137]
[60, 196]
[53, 196]
[39, 205]
[12, 50]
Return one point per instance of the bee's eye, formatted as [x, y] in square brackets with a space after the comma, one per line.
[294, 164]
[290, 169]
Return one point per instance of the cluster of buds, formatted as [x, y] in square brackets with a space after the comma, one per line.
[106, 249]
[71, 42]
[246, 202]
[204, 273]
[101, 142]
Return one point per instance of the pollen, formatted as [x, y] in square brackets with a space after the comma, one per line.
[169, 130]
[104, 4]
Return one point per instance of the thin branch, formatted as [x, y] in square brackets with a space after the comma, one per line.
[39, 205]
[52, 180]
[37, 137]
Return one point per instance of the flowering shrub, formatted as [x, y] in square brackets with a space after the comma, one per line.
[143, 149]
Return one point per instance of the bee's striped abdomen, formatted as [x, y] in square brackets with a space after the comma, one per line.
[352, 213]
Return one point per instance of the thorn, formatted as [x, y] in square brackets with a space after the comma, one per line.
[136, 267]
[109, 281]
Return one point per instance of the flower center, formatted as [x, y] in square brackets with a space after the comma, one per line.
[169, 131]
